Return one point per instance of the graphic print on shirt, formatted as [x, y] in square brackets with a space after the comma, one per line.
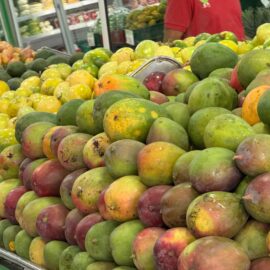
[205, 3]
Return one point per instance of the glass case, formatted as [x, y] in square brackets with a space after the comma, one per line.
[131, 21]
[58, 24]
[2, 33]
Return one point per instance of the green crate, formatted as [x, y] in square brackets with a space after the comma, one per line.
[250, 3]
[155, 32]
[98, 40]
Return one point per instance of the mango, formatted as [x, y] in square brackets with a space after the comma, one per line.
[21, 204]
[131, 118]
[22, 244]
[181, 167]
[103, 102]
[213, 251]
[211, 56]
[226, 130]
[66, 187]
[169, 246]
[97, 240]
[67, 256]
[252, 238]
[198, 122]
[10, 159]
[214, 169]
[143, 246]
[216, 213]
[178, 112]
[81, 260]
[36, 251]
[87, 187]
[260, 264]
[32, 138]
[6, 187]
[47, 178]
[166, 130]
[253, 155]
[158, 97]
[121, 157]
[50, 222]
[174, 204]
[212, 92]
[121, 241]
[155, 163]
[72, 220]
[94, 150]
[52, 254]
[256, 198]
[84, 118]
[70, 151]
[149, 206]
[122, 196]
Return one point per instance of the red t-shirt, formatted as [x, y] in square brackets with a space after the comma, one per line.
[192, 17]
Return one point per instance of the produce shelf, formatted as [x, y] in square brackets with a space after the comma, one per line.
[58, 32]
[50, 12]
[18, 261]
[81, 25]
[41, 36]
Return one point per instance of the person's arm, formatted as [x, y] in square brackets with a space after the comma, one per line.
[171, 35]
[177, 19]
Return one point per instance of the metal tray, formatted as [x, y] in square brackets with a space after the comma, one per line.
[14, 262]
[160, 63]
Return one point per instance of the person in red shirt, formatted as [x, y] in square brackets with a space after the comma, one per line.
[186, 18]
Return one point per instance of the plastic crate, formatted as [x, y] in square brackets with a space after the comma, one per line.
[155, 32]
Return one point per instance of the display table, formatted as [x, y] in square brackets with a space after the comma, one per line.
[14, 262]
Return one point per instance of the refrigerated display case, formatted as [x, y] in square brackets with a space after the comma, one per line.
[131, 21]
[6, 23]
[62, 25]
[2, 33]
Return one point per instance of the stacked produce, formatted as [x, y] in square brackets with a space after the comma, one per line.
[35, 27]
[26, 7]
[148, 16]
[8, 54]
[171, 173]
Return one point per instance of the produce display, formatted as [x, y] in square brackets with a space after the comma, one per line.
[147, 16]
[27, 7]
[99, 170]
[9, 54]
[35, 27]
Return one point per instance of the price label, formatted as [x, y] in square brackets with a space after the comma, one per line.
[91, 39]
[129, 37]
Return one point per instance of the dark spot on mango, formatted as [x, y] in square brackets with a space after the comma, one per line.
[79, 192]
[10, 155]
[73, 159]
[96, 143]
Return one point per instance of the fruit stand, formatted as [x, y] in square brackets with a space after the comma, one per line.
[156, 157]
